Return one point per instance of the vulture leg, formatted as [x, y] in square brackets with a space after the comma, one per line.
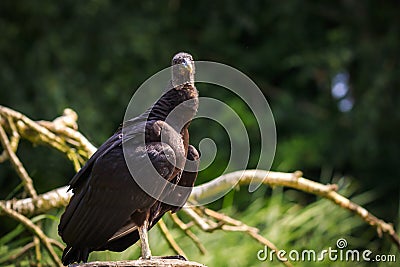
[144, 239]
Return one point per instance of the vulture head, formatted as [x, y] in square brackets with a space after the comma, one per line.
[183, 70]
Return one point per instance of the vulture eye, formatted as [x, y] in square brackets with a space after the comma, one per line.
[187, 63]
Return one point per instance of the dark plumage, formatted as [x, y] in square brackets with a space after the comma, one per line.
[110, 209]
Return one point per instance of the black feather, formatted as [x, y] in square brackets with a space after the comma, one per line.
[108, 202]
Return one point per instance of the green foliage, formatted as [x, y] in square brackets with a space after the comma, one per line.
[56, 55]
[14, 242]
[280, 218]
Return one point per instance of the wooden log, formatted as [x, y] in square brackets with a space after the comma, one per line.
[141, 263]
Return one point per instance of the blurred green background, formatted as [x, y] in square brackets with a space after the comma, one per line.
[330, 71]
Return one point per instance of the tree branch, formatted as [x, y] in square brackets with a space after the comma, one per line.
[226, 223]
[296, 181]
[22, 251]
[141, 263]
[185, 228]
[14, 140]
[62, 135]
[56, 198]
[170, 239]
[60, 197]
[34, 229]
[17, 164]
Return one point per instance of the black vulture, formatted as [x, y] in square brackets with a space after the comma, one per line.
[109, 209]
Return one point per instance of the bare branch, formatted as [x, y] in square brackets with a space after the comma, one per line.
[293, 180]
[60, 197]
[14, 140]
[29, 246]
[142, 263]
[17, 164]
[60, 134]
[57, 244]
[170, 239]
[38, 258]
[56, 198]
[66, 126]
[32, 130]
[185, 228]
[22, 251]
[200, 221]
[227, 223]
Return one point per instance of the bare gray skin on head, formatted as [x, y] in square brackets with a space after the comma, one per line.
[183, 69]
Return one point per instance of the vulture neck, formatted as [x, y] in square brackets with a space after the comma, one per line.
[180, 80]
[177, 106]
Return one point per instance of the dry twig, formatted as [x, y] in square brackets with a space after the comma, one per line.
[296, 181]
[17, 164]
[227, 223]
[22, 251]
[185, 228]
[170, 239]
[14, 140]
[61, 133]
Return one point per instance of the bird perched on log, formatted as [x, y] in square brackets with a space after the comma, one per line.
[144, 170]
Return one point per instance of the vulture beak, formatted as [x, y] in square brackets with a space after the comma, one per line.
[187, 65]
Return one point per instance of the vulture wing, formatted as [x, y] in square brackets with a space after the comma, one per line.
[128, 235]
[105, 194]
